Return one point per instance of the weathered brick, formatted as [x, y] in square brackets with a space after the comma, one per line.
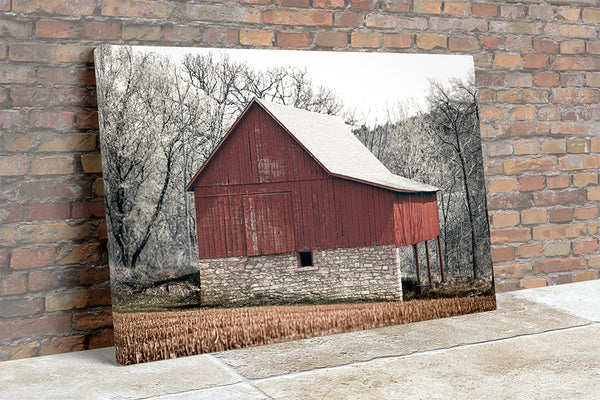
[558, 215]
[492, 42]
[533, 216]
[101, 339]
[349, 19]
[182, 33]
[572, 47]
[10, 213]
[548, 114]
[399, 40]
[13, 165]
[483, 60]
[546, 79]
[48, 189]
[42, 233]
[255, 37]
[47, 97]
[545, 46]
[558, 265]
[594, 261]
[137, 8]
[51, 53]
[376, 20]
[498, 149]
[492, 113]
[484, 10]
[59, 345]
[66, 300]
[79, 7]
[593, 194]
[590, 15]
[558, 198]
[53, 165]
[513, 11]
[577, 146]
[99, 187]
[586, 276]
[91, 163]
[10, 308]
[575, 162]
[595, 145]
[93, 276]
[560, 279]
[541, 11]
[32, 258]
[47, 211]
[558, 182]
[400, 6]
[101, 30]
[513, 270]
[332, 39]
[20, 351]
[4, 260]
[510, 235]
[505, 219]
[293, 40]
[535, 61]
[576, 63]
[60, 120]
[523, 113]
[503, 185]
[583, 213]
[13, 284]
[500, 254]
[506, 286]
[10, 73]
[299, 17]
[535, 165]
[569, 79]
[55, 29]
[568, 95]
[518, 43]
[530, 250]
[427, 6]
[44, 325]
[522, 96]
[593, 46]
[369, 40]
[517, 79]
[457, 25]
[88, 209]
[510, 201]
[531, 183]
[585, 247]
[555, 249]
[141, 32]
[92, 320]
[58, 75]
[220, 35]
[520, 28]
[569, 30]
[527, 147]
[491, 79]
[430, 41]
[293, 3]
[558, 231]
[68, 142]
[578, 113]
[45, 279]
[592, 229]
[463, 43]
[532, 283]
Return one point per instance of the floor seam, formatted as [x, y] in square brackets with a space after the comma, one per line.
[236, 373]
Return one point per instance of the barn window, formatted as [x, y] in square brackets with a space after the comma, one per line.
[305, 258]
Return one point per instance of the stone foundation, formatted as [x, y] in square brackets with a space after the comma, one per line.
[337, 276]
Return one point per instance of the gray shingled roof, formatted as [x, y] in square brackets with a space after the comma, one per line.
[331, 142]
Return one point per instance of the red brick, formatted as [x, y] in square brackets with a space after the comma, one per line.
[558, 265]
[220, 35]
[559, 215]
[13, 284]
[332, 39]
[256, 37]
[542, 11]
[510, 201]
[365, 40]
[492, 42]
[47, 97]
[520, 28]
[334, 3]
[293, 40]
[593, 194]
[546, 79]
[568, 13]
[55, 29]
[101, 30]
[560, 279]
[49, 232]
[558, 182]
[13, 165]
[101, 339]
[505, 286]
[92, 320]
[523, 113]
[45, 279]
[490, 79]
[580, 113]
[53, 165]
[100, 297]
[32, 258]
[45, 325]
[397, 6]
[60, 345]
[512, 270]
[68, 142]
[16, 29]
[60, 120]
[572, 47]
[79, 7]
[376, 20]
[81, 253]
[582, 213]
[527, 147]
[363, 4]
[506, 219]
[51, 52]
[510, 235]
[569, 30]
[568, 95]
[533, 217]
[558, 198]
[498, 149]
[137, 8]
[47, 211]
[10, 213]
[93, 276]
[575, 162]
[576, 63]
[20, 351]
[52, 189]
[299, 17]
[181, 33]
[427, 6]
[399, 40]
[572, 79]
[585, 247]
[58, 75]
[503, 254]
[532, 283]
[531, 183]
[349, 19]
[4, 260]
[503, 185]
[534, 165]
[513, 11]
[586, 276]
[457, 8]
[530, 250]
[522, 96]
[88, 76]
[464, 43]
[535, 61]
[141, 32]
[101, 231]
[10, 308]
[66, 300]
[87, 120]
[484, 10]
[558, 231]
[11, 73]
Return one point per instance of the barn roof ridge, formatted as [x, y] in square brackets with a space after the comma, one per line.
[339, 152]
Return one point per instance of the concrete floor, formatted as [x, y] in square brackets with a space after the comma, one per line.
[539, 344]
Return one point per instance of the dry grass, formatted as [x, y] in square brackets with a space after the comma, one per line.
[150, 336]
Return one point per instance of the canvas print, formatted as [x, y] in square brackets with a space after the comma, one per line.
[259, 196]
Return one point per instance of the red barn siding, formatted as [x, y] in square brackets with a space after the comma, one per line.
[416, 218]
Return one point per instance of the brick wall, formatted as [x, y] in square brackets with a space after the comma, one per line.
[537, 64]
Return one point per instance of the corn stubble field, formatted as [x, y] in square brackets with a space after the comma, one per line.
[151, 336]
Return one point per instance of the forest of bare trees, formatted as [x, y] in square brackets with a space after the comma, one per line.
[161, 118]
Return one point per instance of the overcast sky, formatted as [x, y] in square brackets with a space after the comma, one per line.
[366, 81]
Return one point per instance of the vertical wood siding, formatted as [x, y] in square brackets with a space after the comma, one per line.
[262, 193]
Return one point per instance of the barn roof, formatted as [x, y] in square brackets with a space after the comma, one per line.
[329, 140]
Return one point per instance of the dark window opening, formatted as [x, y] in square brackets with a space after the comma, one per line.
[305, 258]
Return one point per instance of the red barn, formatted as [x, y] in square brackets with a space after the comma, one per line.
[291, 208]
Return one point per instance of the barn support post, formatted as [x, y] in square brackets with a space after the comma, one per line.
[428, 263]
[439, 246]
[416, 251]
